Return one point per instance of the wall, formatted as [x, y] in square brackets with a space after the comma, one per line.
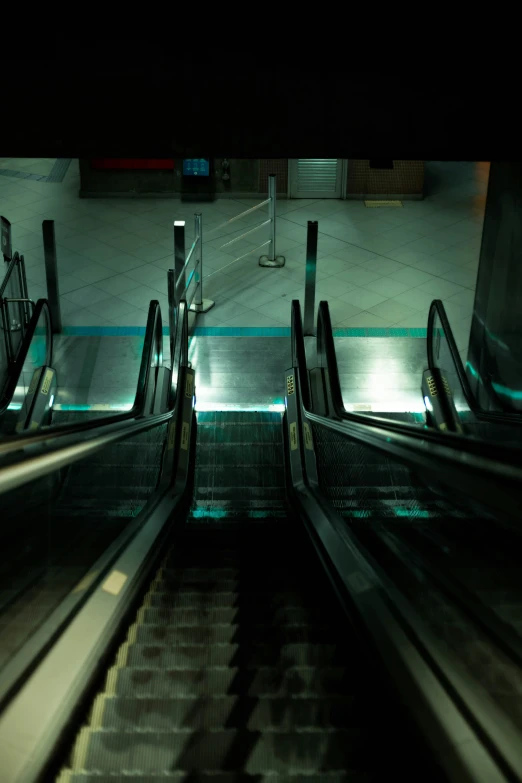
[495, 351]
[405, 180]
[248, 177]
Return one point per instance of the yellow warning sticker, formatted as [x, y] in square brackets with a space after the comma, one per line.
[48, 379]
[114, 583]
[293, 436]
[309, 444]
[34, 425]
[189, 386]
[172, 435]
[34, 382]
[290, 385]
[443, 426]
[185, 429]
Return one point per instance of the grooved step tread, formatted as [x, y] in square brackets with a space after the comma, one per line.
[227, 750]
[202, 776]
[225, 712]
[193, 600]
[247, 655]
[290, 681]
[234, 635]
[282, 617]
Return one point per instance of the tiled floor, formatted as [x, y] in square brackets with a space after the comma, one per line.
[377, 267]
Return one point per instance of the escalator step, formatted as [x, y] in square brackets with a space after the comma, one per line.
[194, 600]
[225, 712]
[247, 655]
[230, 634]
[67, 776]
[303, 681]
[283, 617]
[228, 750]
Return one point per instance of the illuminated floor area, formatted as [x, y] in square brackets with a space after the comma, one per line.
[238, 373]
[377, 267]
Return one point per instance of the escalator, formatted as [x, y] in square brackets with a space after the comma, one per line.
[239, 627]
[449, 399]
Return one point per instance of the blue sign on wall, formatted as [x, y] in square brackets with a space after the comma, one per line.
[196, 167]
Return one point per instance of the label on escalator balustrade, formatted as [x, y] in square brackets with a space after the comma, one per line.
[48, 379]
[172, 435]
[308, 436]
[189, 386]
[185, 430]
[290, 385]
[293, 436]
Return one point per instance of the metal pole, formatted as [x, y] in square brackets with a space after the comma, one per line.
[272, 259]
[51, 273]
[310, 275]
[5, 234]
[173, 310]
[200, 305]
[179, 255]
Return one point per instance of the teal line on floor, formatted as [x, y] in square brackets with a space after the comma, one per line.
[241, 331]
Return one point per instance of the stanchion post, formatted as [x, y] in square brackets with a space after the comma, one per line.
[200, 305]
[51, 274]
[173, 309]
[179, 257]
[272, 259]
[310, 277]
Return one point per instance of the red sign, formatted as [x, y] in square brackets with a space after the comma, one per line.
[163, 164]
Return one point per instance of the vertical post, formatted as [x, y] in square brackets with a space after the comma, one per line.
[272, 259]
[51, 274]
[173, 310]
[179, 257]
[310, 275]
[200, 305]
[7, 248]
[198, 261]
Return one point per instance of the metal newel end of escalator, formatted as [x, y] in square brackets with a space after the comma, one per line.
[310, 277]
[51, 274]
[441, 412]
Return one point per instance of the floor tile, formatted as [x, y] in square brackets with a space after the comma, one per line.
[334, 286]
[253, 319]
[440, 288]
[411, 277]
[87, 295]
[358, 275]
[84, 317]
[384, 266]
[416, 299]
[415, 320]
[386, 287]
[463, 277]
[151, 252]
[254, 298]
[134, 318]
[465, 299]
[147, 273]
[340, 311]
[117, 284]
[391, 310]
[364, 319]
[354, 254]
[123, 262]
[91, 273]
[127, 243]
[427, 245]
[362, 298]
[111, 308]
[226, 309]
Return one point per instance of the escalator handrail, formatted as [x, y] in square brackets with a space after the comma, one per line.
[452, 453]
[42, 306]
[327, 358]
[437, 309]
[152, 347]
[57, 447]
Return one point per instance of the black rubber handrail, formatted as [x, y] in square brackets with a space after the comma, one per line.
[42, 306]
[449, 457]
[152, 346]
[495, 417]
[34, 457]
